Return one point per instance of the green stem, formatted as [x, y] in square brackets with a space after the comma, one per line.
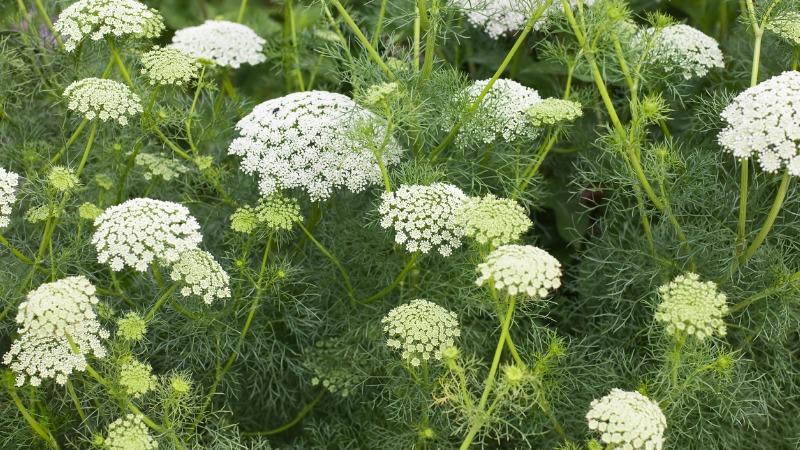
[489, 383]
[533, 167]
[172, 146]
[288, 425]
[76, 401]
[242, 9]
[298, 73]
[120, 64]
[777, 203]
[333, 259]
[157, 305]
[70, 141]
[399, 279]
[15, 251]
[363, 39]
[41, 430]
[675, 359]
[500, 70]
[47, 21]
[794, 278]
[188, 123]
[376, 35]
[741, 232]
[88, 149]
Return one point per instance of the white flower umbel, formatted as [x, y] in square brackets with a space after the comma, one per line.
[764, 122]
[424, 217]
[420, 330]
[226, 44]
[494, 221]
[501, 115]
[628, 420]
[787, 26]
[98, 98]
[686, 50]
[521, 270]
[98, 19]
[691, 306]
[58, 328]
[553, 111]
[8, 195]
[129, 433]
[502, 18]
[305, 141]
[141, 231]
[164, 66]
[201, 276]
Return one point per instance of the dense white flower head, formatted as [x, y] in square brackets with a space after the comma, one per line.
[8, 195]
[691, 306]
[201, 276]
[424, 218]
[494, 221]
[553, 111]
[421, 330]
[502, 18]
[306, 140]
[141, 231]
[787, 26]
[158, 166]
[501, 115]
[628, 421]
[98, 19]
[521, 269]
[686, 50]
[224, 43]
[98, 98]
[169, 65]
[52, 319]
[764, 122]
[129, 433]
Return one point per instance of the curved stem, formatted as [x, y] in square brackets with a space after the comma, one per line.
[14, 251]
[88, 149]
[157, 305]
[119, 63]
[188, 123]
[300, 415]
[41, 430]
[76, 401]
[333, 259]
[399, 279]
[777, 203]
[794, 278]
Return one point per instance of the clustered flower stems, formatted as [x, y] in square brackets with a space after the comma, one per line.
[475, 105]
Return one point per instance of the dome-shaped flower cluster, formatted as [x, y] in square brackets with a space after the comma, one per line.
[62, 179]
[691, 306]
[424, 217]
[787, 26]
[132, 327]
[157, 166]
[169, 65]
[329, 370]
[275, 213]
[142, 230]
[502, 18]
[201, 276]
[764, 122]
[224, 43]
[8, 195]
[304, 140]
[98, 19]
[501, 114]
[58, 328]
[421, 330]
[129, 433]
[136, 378]
[553, 111]
[493, 221]
[521, 269]
[98, 98]
[628, 420]
[686, 50]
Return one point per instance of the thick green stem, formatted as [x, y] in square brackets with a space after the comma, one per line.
[41, 430]
[741, 232]
[48, 23]
[14, 251]
[399, 279]
[290, 34]
[120, 63]
[792, 280]
[88, 149]
[76, 401]
[376, 57]
[777, 203]
[333, 259]
[376, 35]
[675, 359]
[160, 302]
[288, 425]
[242, 9]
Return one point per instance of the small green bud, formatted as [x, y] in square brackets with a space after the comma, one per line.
[132, 327]
[203, 162]
[513, 374]
[724, 363]
[104, 181]
[450, 354]
[427, 434]
[62, 179]
[180, 384]
[89, 211]
[162, 114]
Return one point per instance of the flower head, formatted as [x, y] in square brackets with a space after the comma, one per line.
[329, 370]
[201, 276]
[685, 50]
[136, 378]
[58, 327]
[141, 231]
[97, 98]
[493, 221]
[691, 306]
[129, 433]
[89, 211]
[157, 166]
[305, 140]
[244, 220]
[502, 18]
[168, 65]
[378, 93]
[278, 212]
[98, 19]
[628, 420]
[424, 217]
[764, 122]
[62, 179]
[553, 111]
[8, 195]
[787, 26]
[226, 44]
[501, 115]
[132, 327]
[521, 269]
[420, 330]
